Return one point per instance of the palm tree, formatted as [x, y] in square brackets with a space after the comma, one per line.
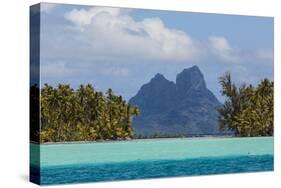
[248, 111]
[83, 114]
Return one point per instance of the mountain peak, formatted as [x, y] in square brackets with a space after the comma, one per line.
[155, 95]
[190, 79]
[193, 68]
[158, 76]
[192, 72]
[186, 107]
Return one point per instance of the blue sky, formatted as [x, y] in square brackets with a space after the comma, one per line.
[124, 48]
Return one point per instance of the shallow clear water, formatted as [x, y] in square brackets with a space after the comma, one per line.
[87, 162]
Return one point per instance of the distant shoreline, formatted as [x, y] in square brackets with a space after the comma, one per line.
[110, 141]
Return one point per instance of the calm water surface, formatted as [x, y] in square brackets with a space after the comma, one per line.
[153, 158]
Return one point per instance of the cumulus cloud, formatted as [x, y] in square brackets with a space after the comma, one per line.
[113, 32]
[220, 47]
[83, 17]
[104, 34]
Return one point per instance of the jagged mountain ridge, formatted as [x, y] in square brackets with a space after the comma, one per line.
[186, 107]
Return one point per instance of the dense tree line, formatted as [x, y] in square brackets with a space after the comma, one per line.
[248, 110]
[83, 114]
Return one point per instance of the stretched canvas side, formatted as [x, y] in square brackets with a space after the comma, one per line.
[34, 99]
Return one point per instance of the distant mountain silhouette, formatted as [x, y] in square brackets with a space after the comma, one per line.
[185, 108]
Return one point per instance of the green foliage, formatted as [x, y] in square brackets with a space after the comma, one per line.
[248, 110]
[84, 114]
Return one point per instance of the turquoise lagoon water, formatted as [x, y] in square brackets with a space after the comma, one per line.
[149, 158]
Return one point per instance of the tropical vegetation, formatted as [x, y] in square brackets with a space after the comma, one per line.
[248, 110]
[83, 114]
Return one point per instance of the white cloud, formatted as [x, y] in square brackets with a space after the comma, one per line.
[220, 47]
[112, 32]
[84, 17]
[104, 34]
[219, 43]
[47, 7]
